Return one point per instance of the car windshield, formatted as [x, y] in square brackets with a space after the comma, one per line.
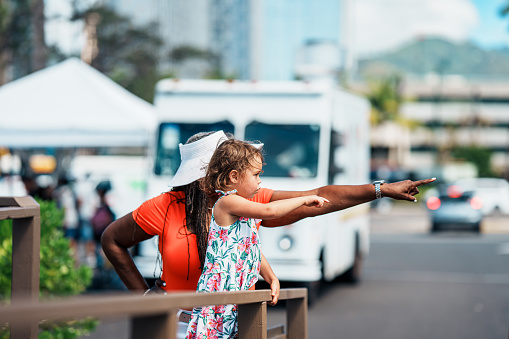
[290, 150]
[462, 198]
[454, 193]
[171, 134]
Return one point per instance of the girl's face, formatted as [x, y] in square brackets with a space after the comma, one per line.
[249, 182]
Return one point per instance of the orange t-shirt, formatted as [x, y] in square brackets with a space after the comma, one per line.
[178, 247]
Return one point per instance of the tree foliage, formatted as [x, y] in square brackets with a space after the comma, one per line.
[179, 55]
[479, 156]
[59, 274]
[21, 37]
[126, 53]
[185, 52]
[385, 98]
[14, 36]
[504, 11]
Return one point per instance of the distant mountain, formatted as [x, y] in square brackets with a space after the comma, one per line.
[439, 56]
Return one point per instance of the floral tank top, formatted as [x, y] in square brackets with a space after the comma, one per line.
[232, 263]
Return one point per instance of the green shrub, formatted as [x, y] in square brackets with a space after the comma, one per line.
[59, 273]
[479, 156]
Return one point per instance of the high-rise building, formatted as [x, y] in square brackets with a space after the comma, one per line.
[288, 26]
[178, 23]
[231, 39]
[252, 39]
[269, 40]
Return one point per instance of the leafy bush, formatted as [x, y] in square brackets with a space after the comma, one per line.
[59, 273]
[479, 156]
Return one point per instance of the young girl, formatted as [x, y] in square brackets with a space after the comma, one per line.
[233, 260]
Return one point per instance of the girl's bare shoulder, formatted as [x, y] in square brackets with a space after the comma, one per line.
[230, 198]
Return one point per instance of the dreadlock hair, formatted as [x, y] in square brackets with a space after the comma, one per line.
[196, 206]
[230, 155]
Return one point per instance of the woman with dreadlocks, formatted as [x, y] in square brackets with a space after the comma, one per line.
[180, 218]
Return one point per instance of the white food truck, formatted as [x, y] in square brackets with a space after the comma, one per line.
[314, 134]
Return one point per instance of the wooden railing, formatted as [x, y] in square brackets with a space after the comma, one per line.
[155, 316]
[151, 316]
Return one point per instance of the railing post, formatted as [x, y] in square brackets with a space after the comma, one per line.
[253, 321]
[162, 326]
[26, 245]
[297, 318]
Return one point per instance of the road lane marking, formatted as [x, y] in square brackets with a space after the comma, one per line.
[503, 248]
[437, 277]
[442, 239]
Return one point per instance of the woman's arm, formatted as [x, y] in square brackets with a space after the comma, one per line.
[269, 276]
[344, 196]
[118, 237]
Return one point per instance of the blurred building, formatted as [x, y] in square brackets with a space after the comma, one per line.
[252, 39]
[456, 111]
[234, 36]
[308, 39]
[318, 60]
[447, 112]
[177, 22]
[285, 35]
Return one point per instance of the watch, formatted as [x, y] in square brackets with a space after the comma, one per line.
[378, 191]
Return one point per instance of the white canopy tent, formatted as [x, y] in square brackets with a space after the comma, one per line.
[72, 105]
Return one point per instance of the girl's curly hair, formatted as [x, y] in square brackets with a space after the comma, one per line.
[230, 155]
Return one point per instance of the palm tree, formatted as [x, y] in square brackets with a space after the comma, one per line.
[16, 37]
[39, 50]
[385, 98]
[390, 133]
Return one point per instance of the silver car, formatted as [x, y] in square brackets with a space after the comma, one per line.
[494, 193]
[452, 208]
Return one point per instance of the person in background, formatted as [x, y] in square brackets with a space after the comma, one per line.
[87, 201]
[233, 258]
[103, 216]
[39, 186]
[65, 198]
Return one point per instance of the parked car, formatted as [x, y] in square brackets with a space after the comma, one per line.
[494, 193]
[452, 208]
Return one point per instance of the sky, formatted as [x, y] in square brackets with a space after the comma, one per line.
[382, 25]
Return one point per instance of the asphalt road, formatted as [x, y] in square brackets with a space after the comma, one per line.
[417, 285]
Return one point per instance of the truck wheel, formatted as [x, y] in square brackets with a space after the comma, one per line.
[477, 228]
[354, 273]
[435, 228]
[313, 291]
